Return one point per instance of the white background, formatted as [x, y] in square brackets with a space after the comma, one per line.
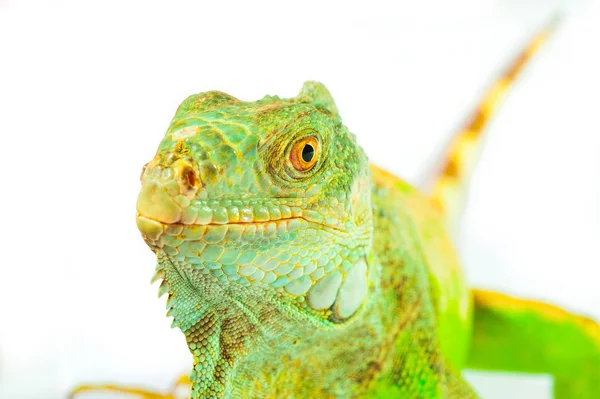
[88, 89]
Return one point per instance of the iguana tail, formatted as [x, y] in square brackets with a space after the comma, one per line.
[448, 188]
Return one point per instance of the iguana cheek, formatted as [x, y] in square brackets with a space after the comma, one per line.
[322, 295]
[352, 292]
[345, 293]
[299, 286]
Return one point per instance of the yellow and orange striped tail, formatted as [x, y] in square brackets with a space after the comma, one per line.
[448, 189]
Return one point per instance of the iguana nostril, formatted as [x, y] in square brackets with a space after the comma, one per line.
[187, 177]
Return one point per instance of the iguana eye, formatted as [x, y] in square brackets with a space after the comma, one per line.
[304, 154]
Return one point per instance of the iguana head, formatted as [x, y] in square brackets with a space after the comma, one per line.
[261, 199]
[260, 216]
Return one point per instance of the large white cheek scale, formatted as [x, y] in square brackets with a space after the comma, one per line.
[352, 292]
[323, 293]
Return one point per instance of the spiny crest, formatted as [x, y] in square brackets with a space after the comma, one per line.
[317, 93]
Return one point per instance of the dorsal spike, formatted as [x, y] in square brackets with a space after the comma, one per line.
[317, 93]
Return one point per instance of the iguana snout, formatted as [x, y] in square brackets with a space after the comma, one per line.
[167, 190]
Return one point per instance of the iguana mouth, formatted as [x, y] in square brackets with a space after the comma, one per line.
[219, 224]
[161, 213]
[153, 229]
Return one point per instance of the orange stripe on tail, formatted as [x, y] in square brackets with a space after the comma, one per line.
[449, 187]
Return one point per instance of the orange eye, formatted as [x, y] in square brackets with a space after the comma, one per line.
[304, 154]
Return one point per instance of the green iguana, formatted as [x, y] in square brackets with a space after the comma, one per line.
[297, 270]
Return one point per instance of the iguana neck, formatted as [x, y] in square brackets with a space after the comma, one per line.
[232, 331]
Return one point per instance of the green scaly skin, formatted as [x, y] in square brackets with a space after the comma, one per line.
[333, 282]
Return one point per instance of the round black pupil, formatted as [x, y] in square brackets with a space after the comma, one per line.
[308, 152]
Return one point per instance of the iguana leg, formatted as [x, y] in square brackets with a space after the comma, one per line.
[457, 387]
[527, 336]
[180, 389]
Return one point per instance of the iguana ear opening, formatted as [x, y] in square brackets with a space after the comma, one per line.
[317, 93]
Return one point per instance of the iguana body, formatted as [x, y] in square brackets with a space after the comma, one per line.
[297, 270]
[364, 245]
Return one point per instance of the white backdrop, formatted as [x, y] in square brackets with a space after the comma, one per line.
[88, 89]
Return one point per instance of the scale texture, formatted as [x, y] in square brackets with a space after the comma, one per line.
[295, 269]
[293, 280]
[325, 277]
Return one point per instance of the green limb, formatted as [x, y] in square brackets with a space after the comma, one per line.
[417, 368]
[531, 337]
[449, 384]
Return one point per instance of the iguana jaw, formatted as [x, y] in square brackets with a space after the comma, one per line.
[282, 243]
[154, 231]
[165, 204]
[161, 216]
